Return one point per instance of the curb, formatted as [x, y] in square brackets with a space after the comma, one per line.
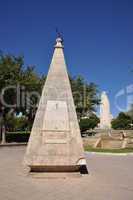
[12, 144]
[111, 154]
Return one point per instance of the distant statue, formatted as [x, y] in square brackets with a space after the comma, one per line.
[105, 115]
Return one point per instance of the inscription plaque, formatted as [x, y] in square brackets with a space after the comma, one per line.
[56, 123]
[56, 116]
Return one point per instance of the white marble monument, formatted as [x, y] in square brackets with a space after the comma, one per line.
[55, 144]
[105, 115]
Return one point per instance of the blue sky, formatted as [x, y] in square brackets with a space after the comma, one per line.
[98, 37]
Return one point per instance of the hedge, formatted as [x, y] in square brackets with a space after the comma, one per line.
[17, 137]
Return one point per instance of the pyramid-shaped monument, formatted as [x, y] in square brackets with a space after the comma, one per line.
[55, 144]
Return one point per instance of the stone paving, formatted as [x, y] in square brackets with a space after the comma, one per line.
[110, 178]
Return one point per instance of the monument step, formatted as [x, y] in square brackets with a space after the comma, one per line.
[52, 175]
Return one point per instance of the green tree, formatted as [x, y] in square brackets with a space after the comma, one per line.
[10, 74]
[89, 123]
[14, 123]
[123, 121]
[14, 73]
[85, 96]
[130, 112]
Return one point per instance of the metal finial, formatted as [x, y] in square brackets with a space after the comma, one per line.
[59, 34]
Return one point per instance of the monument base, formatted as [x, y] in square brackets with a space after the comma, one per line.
[81, 169]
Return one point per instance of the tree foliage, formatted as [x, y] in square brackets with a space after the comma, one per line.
[85, 96]
[89, 123]
[123, 121]
[130, 112]
[13, 73]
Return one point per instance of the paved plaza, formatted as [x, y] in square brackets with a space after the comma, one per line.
[110, 178]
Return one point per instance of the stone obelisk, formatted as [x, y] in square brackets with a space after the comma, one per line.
[105, 115]
[55, 144]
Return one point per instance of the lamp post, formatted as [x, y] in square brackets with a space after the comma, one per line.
[3, 131]
[3, 141]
